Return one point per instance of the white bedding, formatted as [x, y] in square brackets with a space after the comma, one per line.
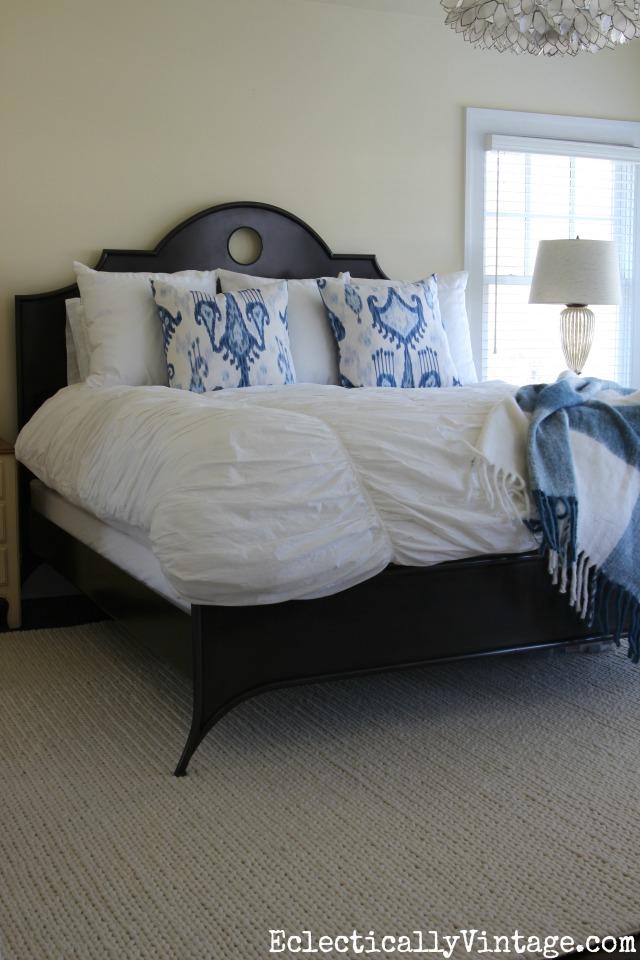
[274, 493]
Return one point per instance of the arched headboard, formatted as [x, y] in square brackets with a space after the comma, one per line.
[288, 248]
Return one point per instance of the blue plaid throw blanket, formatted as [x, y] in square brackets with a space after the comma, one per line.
[581, 469]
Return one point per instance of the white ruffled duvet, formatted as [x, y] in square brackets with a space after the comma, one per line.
[275, 493]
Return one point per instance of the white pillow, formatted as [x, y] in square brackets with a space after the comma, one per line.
[77, 346]
[388, 335]
[453, 313]
[313, 346]
[123, 332]
[216, 341]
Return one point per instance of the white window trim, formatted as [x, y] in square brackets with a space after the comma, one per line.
[481, 123]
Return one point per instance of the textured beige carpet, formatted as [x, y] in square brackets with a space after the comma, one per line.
[501, 795]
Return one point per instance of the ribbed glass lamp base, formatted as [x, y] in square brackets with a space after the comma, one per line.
[576, 335]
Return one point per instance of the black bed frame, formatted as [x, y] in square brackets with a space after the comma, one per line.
[469, 608]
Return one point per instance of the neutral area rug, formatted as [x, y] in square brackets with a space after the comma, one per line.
[385, 814]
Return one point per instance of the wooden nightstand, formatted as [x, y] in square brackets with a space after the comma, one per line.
[9, 547]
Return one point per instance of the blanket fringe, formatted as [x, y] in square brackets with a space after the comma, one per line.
[557, 523]
[506, 492]
[617, 612]
[597, 599]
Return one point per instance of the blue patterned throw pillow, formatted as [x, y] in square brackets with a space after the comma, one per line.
[389, 336]
[238, 339]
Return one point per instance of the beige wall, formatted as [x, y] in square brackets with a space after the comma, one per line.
[120, 119]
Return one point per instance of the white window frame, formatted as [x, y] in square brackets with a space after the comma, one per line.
[481, 123]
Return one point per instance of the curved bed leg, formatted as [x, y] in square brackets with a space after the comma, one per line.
[205, 696]
[190, 747]
[211, 700]
[224, 674]
[197, 731]
[201, 723]
[231, 660]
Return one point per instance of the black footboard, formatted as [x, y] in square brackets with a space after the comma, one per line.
[402, 618]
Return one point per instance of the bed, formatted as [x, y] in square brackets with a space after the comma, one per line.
[379, 615]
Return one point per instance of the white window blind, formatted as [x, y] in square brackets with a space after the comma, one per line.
[537, 188]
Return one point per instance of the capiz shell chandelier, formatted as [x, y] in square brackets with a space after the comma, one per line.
[550, 27]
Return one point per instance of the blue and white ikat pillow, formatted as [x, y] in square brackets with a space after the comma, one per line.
[213, 342]
[388, 336]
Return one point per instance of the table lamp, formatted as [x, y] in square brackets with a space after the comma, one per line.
[577, 273]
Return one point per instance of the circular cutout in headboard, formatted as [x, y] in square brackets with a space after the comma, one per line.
[245, 245]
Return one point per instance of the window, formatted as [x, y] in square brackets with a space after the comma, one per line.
[532, 177]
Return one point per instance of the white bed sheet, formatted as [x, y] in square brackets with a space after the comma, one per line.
[276, 493]
[126, 547]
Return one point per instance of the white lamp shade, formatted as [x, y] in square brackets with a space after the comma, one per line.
[576, 272]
